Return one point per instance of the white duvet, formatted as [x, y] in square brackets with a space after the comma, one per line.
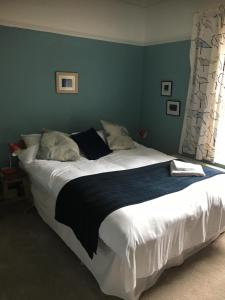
[149, 234]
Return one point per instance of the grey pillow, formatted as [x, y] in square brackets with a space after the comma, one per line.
[55, 145]
[117, 136]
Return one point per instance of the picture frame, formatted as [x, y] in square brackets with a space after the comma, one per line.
[66, 82]
[166, 88]
[173, 108]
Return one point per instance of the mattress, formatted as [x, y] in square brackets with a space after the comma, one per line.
[136, 243]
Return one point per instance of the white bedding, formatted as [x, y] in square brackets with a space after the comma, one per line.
[148, 235]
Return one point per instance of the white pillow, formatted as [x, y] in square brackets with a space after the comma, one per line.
[102, 135]
[117, 136]
[99, 132]
[28, 155]
[31, 139]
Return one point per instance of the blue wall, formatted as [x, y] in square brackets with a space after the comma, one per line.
[110, 83]
[117, 82]
[164, 62]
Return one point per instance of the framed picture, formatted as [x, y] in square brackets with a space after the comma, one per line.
[166, 88]
[66, 82]
[173, 108]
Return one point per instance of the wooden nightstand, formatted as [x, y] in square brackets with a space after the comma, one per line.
[16, 182]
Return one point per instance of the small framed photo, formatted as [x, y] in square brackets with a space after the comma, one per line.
[67, 82]
[173, 108]
[166, 88]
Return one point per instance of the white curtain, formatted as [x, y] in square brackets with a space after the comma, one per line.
[205, 101]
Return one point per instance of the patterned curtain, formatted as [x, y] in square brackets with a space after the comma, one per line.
[205, 101]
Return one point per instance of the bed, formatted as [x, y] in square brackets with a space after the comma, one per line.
[138, 242]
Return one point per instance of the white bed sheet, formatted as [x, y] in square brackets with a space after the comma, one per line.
[145, 237]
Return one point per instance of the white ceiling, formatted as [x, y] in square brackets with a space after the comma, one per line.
[138, 22]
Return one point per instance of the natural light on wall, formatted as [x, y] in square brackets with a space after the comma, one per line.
[220, 141]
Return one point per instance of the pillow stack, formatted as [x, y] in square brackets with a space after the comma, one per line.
[59, 146]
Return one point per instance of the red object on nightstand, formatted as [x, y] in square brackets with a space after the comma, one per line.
[8, 171]
[13, 147]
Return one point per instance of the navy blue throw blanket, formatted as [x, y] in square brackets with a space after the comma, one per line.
[84, 202]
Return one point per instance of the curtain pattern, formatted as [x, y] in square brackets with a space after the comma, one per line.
[206, 86]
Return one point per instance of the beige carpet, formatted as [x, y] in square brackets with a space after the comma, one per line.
[36, 265]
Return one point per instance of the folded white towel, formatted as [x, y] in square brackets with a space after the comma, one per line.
[182, 166]
[179, 168]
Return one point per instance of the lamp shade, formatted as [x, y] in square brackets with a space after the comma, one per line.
[13, 148]
[143, 133]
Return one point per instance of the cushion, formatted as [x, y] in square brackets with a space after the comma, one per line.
[44, 130]
[91, 144]
[117, 136]
[55, 145]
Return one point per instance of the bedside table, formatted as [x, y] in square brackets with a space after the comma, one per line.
[18, 181]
